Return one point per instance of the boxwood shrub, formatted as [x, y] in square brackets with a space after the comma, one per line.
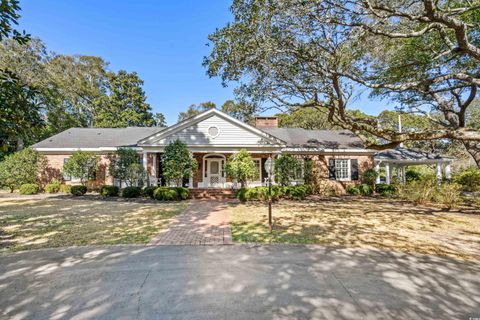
[353, 191]
[29, 188]
[385, 189]
[148, 191]
[78, 190]
[365, 189]
[171, 194]
[52, 187]
[131, 192]
[183, 193]
[109, 191]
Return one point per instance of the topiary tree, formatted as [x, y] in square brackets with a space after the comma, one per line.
[369, 177]
[21, 168]
[178, 163]
[286, 169]
[241, 167]
[81, 165]
[120, 164]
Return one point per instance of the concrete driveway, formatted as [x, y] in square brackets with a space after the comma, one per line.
[234, 282]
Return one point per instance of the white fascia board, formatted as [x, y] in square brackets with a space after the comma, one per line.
[100, 149]
[224, 149]
[412, 161]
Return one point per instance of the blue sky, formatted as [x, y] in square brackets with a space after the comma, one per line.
[164, 41]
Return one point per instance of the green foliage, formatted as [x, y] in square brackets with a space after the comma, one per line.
[29, 188]
[385, 189]
[183, 193]
[125, 105]
[448, 194]
[353, 191]
[286, 169]
[420, 192]
[131, 192]
[412, 175]
[365, 189]
[306, 118]
[78, 190]
[53, 187]
[135, 174]
[81, 165]
[298, 192]
[195, 109]
[170, 194]
[241, 167]
[469, 179]
[148, 191]
[20, 168]
[109, 191]
[369, 177]
[177, 162]
[66, 188]
[121, 161]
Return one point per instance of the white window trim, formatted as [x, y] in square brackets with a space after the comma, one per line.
[260, 180]
[213, 136]
[349, 170]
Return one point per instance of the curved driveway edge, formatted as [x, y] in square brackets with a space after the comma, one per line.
[204, 222]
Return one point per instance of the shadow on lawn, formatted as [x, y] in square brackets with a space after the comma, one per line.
[280, 282]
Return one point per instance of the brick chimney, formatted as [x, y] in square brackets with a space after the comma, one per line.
[266, 122]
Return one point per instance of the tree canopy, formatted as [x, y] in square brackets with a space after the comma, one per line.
[422, 55]
[177, 162]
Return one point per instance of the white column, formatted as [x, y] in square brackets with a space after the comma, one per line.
[145, 166]
[448, 172]
[404, 176]
[154, 165]
[387, 173]
[377, 170]
[439, 173]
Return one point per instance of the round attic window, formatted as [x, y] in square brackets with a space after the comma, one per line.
[213, 132]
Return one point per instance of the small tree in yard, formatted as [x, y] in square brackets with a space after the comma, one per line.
[81, 165]
[134, 173]
[20, 168]
[241, 167]
[120, 165]
[286, 168]
[178, 163]
[370, 177]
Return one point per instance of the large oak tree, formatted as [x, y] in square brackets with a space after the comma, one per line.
[422, 55]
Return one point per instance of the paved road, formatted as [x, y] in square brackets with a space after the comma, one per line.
[234, 282]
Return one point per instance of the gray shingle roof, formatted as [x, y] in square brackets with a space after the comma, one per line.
[97, 137]
[328, 139]
[403, 154]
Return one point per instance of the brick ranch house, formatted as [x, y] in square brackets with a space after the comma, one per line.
[338, 156]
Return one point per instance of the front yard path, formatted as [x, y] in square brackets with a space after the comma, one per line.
[205, 222]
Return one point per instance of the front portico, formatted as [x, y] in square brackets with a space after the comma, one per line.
[212, 137]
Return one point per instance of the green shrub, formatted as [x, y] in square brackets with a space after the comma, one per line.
[159, 192]
[109, 191]
[170, 195]
[167, 194]
[131, 192]
[52, 187]
[298, 192]
[78, 190]
[448, 194]
[369, 177]
[469, 179]
[29, 188]
[183, 193]
[241, 194]
[65, 188]
[353, 191]
[252, 194]
[412, 175]
[148, 191]
[365, 189]
[421, 191]
[385, 189]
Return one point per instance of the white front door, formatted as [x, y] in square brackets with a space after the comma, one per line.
[214, 173]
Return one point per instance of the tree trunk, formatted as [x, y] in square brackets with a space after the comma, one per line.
[473, 148]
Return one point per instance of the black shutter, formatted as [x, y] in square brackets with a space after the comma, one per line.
[264, 172]
[354, 169]
[331, 169]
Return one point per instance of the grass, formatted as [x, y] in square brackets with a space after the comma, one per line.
[45, 223]
[361, 222]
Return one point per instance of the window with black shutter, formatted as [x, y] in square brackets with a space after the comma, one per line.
[331, 169]
[354, 169]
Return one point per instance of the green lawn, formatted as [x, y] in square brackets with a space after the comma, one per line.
[361, 222]
[44, 223]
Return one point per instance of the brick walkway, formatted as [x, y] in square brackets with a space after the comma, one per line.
[204, 222]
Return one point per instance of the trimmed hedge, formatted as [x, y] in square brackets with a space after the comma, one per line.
[171, 194]
[52, 187]
[365, 190]
[298, 192]
[148, 191]
[131, 192]
[109, 191]
[29, 188]
[78, 190]
[385, 189]
[353, 191]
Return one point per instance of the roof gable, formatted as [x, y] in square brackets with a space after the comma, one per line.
[212, 128]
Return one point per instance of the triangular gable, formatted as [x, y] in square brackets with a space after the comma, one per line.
[212, 127]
